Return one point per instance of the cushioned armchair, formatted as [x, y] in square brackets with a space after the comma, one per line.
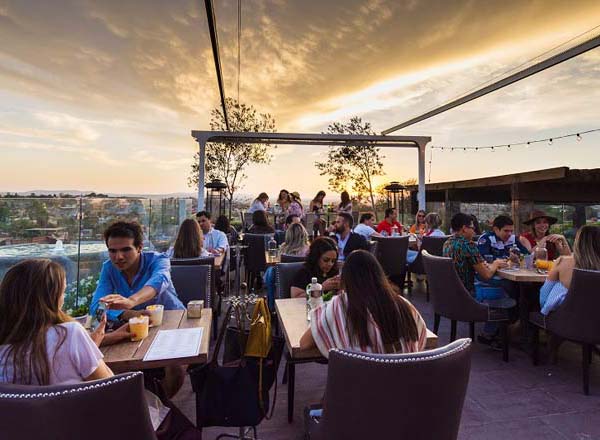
[110, 408]
[394, 396]
[391, 254]
[433, 245]
[576, 319]
[452, 300]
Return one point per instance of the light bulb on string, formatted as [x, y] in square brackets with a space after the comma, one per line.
[578, 137]
[528, 144]
[550, 142]
[508, 146]
[493, 149]
[465, 150]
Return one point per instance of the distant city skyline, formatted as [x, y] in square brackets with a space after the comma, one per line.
[102, 96]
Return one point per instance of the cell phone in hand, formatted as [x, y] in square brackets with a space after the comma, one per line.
[100, 312]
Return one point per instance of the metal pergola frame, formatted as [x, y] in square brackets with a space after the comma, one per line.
[203, 137]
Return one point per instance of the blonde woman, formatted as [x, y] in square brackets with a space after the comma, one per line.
[296, 241]
[586, 255]
[433, 221]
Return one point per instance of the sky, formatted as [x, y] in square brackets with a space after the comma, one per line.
[102, 95]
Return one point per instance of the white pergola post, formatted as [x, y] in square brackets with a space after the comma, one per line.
[201, 165]
[421, 193]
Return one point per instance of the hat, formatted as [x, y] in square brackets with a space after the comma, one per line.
[296, 195]
[539, 214]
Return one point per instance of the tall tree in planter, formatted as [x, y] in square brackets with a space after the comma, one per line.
[353, 166]
[228, 161]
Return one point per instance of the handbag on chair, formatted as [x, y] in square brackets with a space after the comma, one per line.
[236, 392]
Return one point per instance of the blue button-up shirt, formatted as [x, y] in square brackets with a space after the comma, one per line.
[215, 239]
[154, 271]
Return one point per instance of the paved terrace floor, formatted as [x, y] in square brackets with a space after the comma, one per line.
[512, 400]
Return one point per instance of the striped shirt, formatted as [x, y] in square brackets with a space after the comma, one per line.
[328, 326]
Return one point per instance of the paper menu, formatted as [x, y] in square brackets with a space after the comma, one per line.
[177, 343]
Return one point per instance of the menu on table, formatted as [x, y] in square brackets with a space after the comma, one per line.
[177, 343]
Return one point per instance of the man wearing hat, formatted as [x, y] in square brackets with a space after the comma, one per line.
[540, 235]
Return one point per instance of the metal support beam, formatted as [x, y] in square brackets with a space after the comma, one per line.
[201, 178]
[421, 194]
[525, 73]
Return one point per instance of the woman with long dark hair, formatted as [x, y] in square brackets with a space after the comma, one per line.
[321, 263]
[369, 316]
[222, 224]
[316, 207]
[189, 242]
[39, 343]
[345, 203]
[260, 223]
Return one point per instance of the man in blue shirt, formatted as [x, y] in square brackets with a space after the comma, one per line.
[500, 239]
[132, 279]
[215, 241]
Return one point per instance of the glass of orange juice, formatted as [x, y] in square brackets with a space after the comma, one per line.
[138, 327]
[543, 264]
[156, 314]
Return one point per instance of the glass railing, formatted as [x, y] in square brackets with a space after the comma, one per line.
[69, 231]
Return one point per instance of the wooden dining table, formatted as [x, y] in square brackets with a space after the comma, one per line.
[291, 313]
[522, 275]
[128, 355]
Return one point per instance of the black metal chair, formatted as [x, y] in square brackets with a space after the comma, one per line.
[29, 412]
[433, 245]
[391, 254]
[576, 319]
[255, 256]
[433, 385]
[452, 300]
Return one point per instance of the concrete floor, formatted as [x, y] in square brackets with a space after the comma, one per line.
[513, 400]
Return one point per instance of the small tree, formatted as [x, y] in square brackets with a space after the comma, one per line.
[227, 161]
[355, 165]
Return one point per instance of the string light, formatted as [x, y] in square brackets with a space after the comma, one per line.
[578, 136]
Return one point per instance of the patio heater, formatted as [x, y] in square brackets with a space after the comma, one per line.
[392, 190]
[214, 197]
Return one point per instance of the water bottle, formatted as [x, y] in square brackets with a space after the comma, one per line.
[384, 233]
[395, 231]
[272, 247]
[314, 296]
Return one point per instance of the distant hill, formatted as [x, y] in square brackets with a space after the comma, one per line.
[72, 192]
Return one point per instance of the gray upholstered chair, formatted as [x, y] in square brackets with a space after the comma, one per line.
[433, 245]
[576, 319]
[285, 258]
[284, 275]
[452, 300]
[195, 282]
[59, 412]
[394, 396]
[391, 254]
[255, 260]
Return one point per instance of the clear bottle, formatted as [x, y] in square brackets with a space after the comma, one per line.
[272, 247]
[314, 296]
[395, 231]
[541, 253]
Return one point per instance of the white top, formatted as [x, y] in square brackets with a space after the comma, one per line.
[76, 359]
[257, 205]
[437, 233]
[364, 230]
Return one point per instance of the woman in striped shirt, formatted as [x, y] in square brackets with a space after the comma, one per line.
[370, 316]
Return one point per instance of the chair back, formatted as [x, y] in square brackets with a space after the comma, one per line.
[391, 254]
[450, 298]
[255, 253]
[576, 319]
[432, 384]
[285, 258]
[54, 412]
[433, 245]
[284, 275]
[372, 246]
[193, 282]
[246, 220]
